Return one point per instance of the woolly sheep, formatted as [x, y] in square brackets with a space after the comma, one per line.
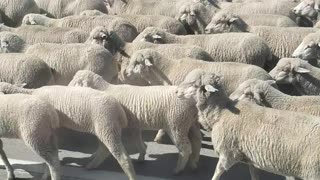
[37, 34]
[67, 59]
[309, 49]
[87, 23]
[19, 68]
[14, 10]
[274, 140]
[265, 94]
[167, 112]
[34, 121]
[151, 67]
[62, 8]
[308, 9]
[11, 43]
[282, 41]
[244, 48]
[299, 73]
[122, 51]
[86, 110]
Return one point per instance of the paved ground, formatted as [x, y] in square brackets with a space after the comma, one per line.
[160, 162]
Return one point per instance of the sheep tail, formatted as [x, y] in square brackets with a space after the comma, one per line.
[7, 88]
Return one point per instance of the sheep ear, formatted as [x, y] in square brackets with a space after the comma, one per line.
[233, 20]
[210, 88]
[148, 63]
[271, 82]
[302, 70]
[156, 36]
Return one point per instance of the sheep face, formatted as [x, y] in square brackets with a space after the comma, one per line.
[152, 35]
[287, 70]
[10, 43]
[192, 15]
[223, 23]
[194, 81]
[253, 90]
[100, 35]
[307, 50]
[33, 19]
[307, 8]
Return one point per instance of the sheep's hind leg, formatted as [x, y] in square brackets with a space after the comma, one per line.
[195, 139]
[6, 162]
[254, 173]
[183, 144]
[48, 150]
[112, 140]
[223, 165]
[160, 136]
[98, 157]
[136, 136]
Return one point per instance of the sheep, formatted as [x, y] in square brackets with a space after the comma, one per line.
[308, 49]
[308, 9]
[86, 23]
[13, 10]
[37, 34]
[86, 110]
[67, 59]
[18, 68]
[163, 110]
[265, 94]
[141, 22]
[11, 43]
[282, 41]
[34, 121]
[244, 48]
[62, 8]
[122, 51]
[278, 141]
[299, 73]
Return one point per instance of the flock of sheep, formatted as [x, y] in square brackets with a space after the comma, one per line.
[246, 70]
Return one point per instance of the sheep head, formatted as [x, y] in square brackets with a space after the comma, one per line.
[153, 35]
[224, 22]
[11, 43]
[85, 78]
[308, 8]
[309, 49]
[35, 19]
[287, 70]
[193, 16]
[253, 90]
[91, 13]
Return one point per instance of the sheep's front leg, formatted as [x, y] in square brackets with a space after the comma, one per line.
[160, 136]
[98, 157]
[223, 165]
[136, 136]
[254, 172]
[6, 162]
[195, 138]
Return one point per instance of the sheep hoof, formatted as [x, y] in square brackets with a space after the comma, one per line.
[193, 166]
[141, 159]
[177, 172]
[90, 167]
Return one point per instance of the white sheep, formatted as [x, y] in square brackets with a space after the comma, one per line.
[281, 40]
[87, 23]
[308, 9]
[141, 22]
[14, 10]
[39, 34]
[304, 77]
[278, 141]
[67, 59]
[156, 108]
[265, 94]
[18, 68]
[123, 50]
[233, 47]
[309, 49]
[34, 121]
[86, 110]
[11, 43]
[62, 8]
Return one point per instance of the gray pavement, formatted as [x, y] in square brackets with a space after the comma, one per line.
[159, 164]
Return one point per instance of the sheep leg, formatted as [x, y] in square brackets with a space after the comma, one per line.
[111, 137]
[160, 135]
[140, 145]
[48, 150]
[195, 138]
[98, 157]
[254, 172]
[183, 144]
[6, 162]
[223, 165]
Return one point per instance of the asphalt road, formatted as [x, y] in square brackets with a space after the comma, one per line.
[159, 164]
